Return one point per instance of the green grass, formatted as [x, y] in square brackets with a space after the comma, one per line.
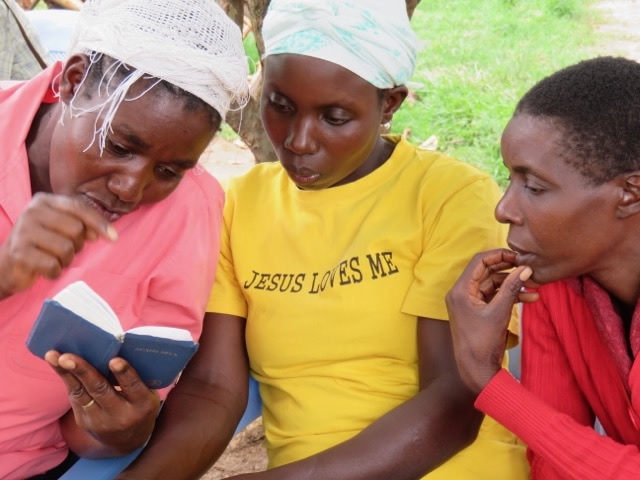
[478, 58]
[251, 50]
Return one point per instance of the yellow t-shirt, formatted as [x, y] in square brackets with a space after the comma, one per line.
[332, 283]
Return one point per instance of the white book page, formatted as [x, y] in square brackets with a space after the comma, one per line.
[163, 332]
[81, 299]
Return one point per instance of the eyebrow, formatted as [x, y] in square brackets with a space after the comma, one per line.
[142, 145]
[184, 164]
[521, 169]
[344, 103]
[135, 140]
[526, 170]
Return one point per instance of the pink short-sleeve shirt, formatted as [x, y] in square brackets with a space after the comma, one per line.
[158, 272]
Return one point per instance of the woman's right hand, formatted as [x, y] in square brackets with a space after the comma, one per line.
[45, 239]
[480, 305]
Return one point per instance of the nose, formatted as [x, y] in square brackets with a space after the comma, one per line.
[301, 137]
[506, 210]
[129, 182]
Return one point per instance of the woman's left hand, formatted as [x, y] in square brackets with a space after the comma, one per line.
[117, 420]
[480, 305]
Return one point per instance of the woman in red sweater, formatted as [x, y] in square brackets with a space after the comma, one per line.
[572, 148]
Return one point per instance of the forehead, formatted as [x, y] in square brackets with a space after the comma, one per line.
[541, 146]
[148, 98]
[310, 77]
[526, 134]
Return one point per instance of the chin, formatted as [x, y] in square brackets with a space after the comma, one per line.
[542, 276]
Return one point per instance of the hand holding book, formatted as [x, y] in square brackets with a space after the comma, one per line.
[77, 320]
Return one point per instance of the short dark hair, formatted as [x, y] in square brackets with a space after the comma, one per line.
[596, 104]
[191, 102]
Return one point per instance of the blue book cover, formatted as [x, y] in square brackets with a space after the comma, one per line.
[70, 323]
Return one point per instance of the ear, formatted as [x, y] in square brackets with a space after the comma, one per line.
[72, 74]
[629, 203]
[393, 98]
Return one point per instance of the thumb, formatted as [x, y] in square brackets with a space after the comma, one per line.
[512, 286]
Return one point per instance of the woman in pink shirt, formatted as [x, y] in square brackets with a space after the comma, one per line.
[572, 148]
[99, 181]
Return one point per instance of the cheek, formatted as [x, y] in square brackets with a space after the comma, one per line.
[69, 163]
[549, 232]
[562, 235]
[61, 163]
[157, 192]
[275, 128]
[353, 147]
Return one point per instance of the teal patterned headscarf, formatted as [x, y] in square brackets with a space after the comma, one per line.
[372, 38]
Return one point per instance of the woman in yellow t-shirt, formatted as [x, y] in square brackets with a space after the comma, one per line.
[334, 265]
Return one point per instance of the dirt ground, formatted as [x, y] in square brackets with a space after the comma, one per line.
[225, 159]
[244, 454]
[621, 27]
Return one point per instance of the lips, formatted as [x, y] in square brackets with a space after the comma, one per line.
[523, 256]
[302, 176]
[110, 213]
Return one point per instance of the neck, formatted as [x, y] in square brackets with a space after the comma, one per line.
[623, 286]
[379, 156]
[618, 270]
[38, 145]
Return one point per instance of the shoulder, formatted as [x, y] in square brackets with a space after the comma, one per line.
[199, 183]
[259, 180]
[198, 196]
[185, 224]
[8, 84]
[449, 181]
[436, 168]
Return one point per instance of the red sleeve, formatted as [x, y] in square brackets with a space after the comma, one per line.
[550, 415]
[546, 373]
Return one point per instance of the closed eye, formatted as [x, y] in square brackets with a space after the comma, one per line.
[534, 190]
[336, 121]
[163, 172]
[116, 149]
[279, 104]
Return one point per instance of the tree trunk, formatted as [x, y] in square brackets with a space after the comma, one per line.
[247, 123]
[234, 10]
[411, 6]
[256, 10]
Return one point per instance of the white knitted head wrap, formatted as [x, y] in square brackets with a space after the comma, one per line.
[371, 38]
[191, 44]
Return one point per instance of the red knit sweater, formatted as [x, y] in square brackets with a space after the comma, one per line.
[576, 367]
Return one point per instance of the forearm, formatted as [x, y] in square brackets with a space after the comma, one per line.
[548, 433]
[200, 414]
[406, 443]
[195, 425]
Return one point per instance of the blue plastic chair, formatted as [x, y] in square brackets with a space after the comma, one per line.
[108, 468]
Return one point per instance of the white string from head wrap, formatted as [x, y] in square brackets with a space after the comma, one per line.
[191, 44]
[371, 38]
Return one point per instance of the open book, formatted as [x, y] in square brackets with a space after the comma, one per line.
[77, 320]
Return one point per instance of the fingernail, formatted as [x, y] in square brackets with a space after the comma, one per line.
[52, 359]
[67, 363]
[112, 233]
[526, 274]
[117, 365]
